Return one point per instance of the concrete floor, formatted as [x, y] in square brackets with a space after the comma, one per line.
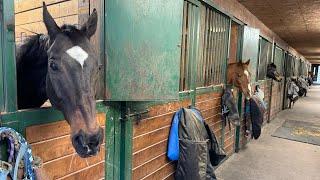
[271, 158]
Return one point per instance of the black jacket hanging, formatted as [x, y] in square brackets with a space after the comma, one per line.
[199, 150]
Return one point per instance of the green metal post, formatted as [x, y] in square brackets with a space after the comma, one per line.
[126, 144]
[8, 56]
[1, 58]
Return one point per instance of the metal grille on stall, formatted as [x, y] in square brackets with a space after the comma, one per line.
[265, 56]
[289, 66]
[296, 66]
[214, 38]
[279, 59]
[189, 48]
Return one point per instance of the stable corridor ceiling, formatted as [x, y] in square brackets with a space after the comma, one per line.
[295, 21]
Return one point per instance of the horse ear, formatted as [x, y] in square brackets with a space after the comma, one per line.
[90, 27]
[52, 27]
[247, 63]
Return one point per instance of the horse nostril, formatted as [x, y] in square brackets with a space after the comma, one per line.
[78, 140]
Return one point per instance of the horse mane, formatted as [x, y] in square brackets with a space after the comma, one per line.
[33, 48]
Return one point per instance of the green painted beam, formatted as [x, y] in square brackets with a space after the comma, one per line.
[126, 145]
[9, 64]
[1, 59]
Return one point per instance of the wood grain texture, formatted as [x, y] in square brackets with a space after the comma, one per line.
[92, 173]
[53, 130]
[63, 9]
[51, 142]
[151, 134]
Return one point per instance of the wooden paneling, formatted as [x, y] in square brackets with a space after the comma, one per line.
[277, 98]
[150, 137]
[53, 130]
[52, 143]
[91, 173]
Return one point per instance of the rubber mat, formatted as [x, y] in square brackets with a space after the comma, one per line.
[300, 131]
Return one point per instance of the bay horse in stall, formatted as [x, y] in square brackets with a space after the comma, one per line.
[64, 68]
[239, 76]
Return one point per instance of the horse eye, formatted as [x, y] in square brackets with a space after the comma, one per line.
[54, 66]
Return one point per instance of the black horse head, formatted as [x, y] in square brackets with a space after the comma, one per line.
[71, 80]
[272, 72]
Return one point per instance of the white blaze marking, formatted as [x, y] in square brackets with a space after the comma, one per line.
[77, 53]
[249, 85]
[246, 73]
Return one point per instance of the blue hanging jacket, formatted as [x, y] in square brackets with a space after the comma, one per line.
[173, 142]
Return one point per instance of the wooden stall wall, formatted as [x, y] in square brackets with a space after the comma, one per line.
[52, 143]
[150, 136]
[210, 107]
[266, 87]
[277, 98]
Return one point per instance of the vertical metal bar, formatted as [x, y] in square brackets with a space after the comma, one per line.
[213, 51]
[221, 48]
[1, 58]
[8, 55]
[217, 48]
[188, 45]
[214, 47]
[126, 144]
[228, 51]
[200, 49]
[210, 47]
[205, 46]
[192, 59]
[196, 48]
[183, 49]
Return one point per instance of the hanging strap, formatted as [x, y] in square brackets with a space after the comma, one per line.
[22, 151]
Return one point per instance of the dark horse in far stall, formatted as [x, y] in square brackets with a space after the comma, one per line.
[272, 72]
[64, 68]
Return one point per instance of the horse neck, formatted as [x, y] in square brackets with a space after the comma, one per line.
[231, 74]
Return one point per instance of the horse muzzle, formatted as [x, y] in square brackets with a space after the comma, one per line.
[87, 145]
